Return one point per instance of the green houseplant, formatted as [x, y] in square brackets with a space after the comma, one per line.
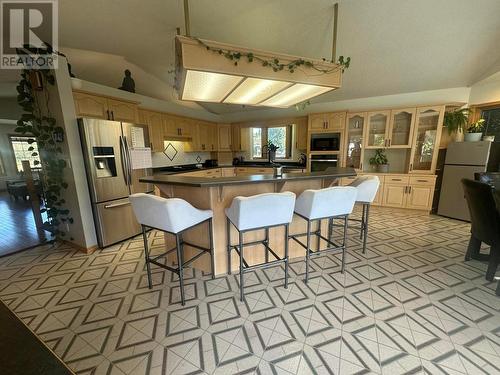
[271, 151]
[474, 131]
[456, 121]
[379, 160]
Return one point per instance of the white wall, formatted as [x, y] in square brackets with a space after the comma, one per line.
[6, 154]
[486, 91]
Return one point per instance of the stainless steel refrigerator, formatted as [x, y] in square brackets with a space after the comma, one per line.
[463, 159]
[108, 162]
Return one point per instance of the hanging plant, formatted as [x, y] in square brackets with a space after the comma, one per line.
[37, 122]
[275, 63]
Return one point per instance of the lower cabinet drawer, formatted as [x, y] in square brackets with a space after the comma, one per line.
[422, 180]
[396, 180]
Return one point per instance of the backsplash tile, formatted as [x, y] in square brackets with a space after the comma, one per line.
[174, 154]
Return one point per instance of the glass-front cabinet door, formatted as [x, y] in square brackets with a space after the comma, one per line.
[354, 140]
[401, 128]
[377, 129]
[429, 122]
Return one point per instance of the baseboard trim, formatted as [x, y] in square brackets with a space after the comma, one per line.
[85, 250]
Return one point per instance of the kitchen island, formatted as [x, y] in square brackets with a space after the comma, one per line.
[217, 194]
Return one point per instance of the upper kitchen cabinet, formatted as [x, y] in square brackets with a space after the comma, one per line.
[123, 111]
[377, 126]
[95, 106]
[400, 133]
[213, 137]
[426, 137]
[325, 122]
[356, 123]
[155, 125]
[301, 137]
[224, 137]
[236, 137]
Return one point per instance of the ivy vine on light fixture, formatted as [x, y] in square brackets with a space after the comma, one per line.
[38, 123]
[274, 63]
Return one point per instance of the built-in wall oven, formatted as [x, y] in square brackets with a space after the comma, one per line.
[321, 163]
[325, 142]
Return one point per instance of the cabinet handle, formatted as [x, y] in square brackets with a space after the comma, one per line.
[389, 140]
[361, 165]
[107, 114]
[395, 179]
[411, 166]
[422, 181]
[409, 189]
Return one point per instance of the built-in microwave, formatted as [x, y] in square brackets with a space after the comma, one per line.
[320, 163]
[325, 142]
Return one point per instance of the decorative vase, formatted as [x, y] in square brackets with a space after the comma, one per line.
[490, 138]
[473, 137]
[272, 156]
[382, 168]
[458, 136]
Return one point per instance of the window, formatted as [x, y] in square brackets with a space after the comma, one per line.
[21, 148]
[281, 136]
[492, 122]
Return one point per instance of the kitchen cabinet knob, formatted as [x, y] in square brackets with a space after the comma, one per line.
[107, 114]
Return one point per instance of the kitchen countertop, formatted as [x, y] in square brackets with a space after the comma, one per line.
[178, 179]
[193, 168]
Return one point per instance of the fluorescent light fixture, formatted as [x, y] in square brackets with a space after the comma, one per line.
[254, 90]
[295, 94]
[207, 86]
[206, 76]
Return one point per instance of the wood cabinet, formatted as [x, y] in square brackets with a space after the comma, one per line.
[225, 135]
[376, 130]
[402, 190]
[213, 137]
[401, 128]
[426, 138]
[353, 144]
[236, 137]
[301, 136]
[88, 105]
[325, 122]
[154, 121]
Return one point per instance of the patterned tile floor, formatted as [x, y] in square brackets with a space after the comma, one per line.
[411, 305]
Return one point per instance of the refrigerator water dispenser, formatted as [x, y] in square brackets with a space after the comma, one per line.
[104, 161]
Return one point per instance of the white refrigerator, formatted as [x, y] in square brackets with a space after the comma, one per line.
[463, 159]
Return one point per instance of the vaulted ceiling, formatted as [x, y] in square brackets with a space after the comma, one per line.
[395, 46]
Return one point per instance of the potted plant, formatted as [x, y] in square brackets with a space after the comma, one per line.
[455, 121]
[474, 131]
[271, 151]
[379, 160]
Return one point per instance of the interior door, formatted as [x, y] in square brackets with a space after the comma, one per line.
[104, 159]
[130, 132]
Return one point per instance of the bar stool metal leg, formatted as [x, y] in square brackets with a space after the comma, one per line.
[180, 261]
[318, 234]
[344, 243]
[286, 255]
[365, 226]
[228, 239]
[211, 239]
[308, 248]
[361, 230]
[146, 255]
[241, 264]
[267, 245]
[330, 228]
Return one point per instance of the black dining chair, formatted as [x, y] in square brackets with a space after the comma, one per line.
[485, 223]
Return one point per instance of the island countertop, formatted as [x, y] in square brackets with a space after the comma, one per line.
[178, 179]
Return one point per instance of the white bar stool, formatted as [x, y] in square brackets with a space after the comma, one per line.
[367, 187]
[262, 211]
[173, 216]
[316, 205]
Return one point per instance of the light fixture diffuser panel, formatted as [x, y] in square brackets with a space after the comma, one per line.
[295, 94]
[255, 90]
[207, 86]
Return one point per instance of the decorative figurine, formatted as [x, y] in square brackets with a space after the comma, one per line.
[128, 83]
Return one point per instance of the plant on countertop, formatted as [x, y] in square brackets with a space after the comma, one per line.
[456, 120]
[271, 147]
[379, 158]
[38, 122]
[476, 127]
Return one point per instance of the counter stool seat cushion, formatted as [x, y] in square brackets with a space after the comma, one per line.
[367, 188]
[334, 201]
[170, 215]
[262, 210]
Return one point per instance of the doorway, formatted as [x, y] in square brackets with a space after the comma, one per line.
[20, 191]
